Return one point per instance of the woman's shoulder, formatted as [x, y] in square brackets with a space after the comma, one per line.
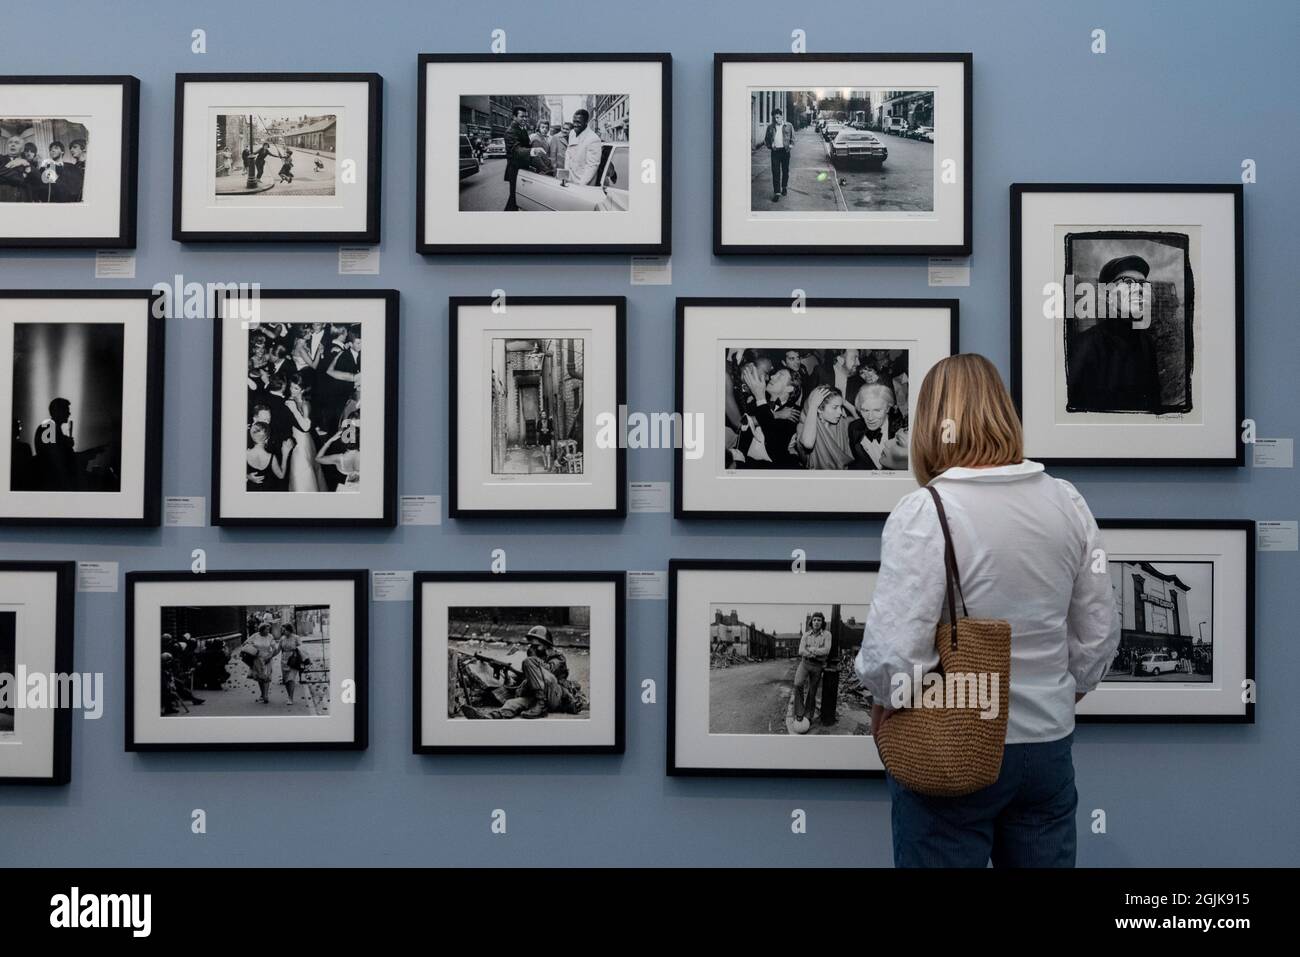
[915, 510]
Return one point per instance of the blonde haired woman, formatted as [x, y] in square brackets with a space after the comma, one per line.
[1026, 547]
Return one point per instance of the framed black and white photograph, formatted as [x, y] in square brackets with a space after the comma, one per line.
[36, 626]
[760, 669]
[1185, 593]
[1127, 323]
[277, 157]
[842, 154]
[81, 377]
[246, 660]
[582, 143]
[535, 389]
[520, 662]
[801, 413]
[69, 165]
[299, 435]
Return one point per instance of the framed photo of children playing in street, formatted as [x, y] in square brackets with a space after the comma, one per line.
[52, 192]
[246, 660]
[579, 144]
[300, 436]
[801, 409]
[518, 662]
[277, 157]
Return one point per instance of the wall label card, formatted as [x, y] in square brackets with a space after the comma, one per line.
[652, 270]
[1274, 454]
[1276, 536]
[115, 264]
[97, 576]
[185, 511]
[391, 586]
[358, 260]
[649, 497]
[648, 586]
[949, 271]
[421, 510]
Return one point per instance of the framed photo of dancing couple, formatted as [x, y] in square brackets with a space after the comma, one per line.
[520, 662]
[801, 409]
[299, 435]
[535, 390]
[760, 669]
[1127, 323]
[1185, 592]
[277, 157]
[70, 157]
[246, 660]
[579, 143]
[81, 382]
[842, 154]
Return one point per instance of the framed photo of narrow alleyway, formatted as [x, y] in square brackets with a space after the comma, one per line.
[1127, 323]
[580, 143]
[1185, 592]
[246, 660]
[534, 392]
[842, 154]
[519, 662]
[760, 669]
[277, 157]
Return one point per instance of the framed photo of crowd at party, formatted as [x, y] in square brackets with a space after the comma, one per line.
[760, 669]
[1127, 323]
[842, 154]
[534, 394]
[36, 615]
[277, 157]
[81, 377]
[580, 143]
[246, 660]
[52, 194]
[519, 662]
[300, 435]
[801, 411]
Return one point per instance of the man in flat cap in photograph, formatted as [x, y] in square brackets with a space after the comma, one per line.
[1112, 366]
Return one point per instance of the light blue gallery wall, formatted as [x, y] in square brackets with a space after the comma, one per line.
[1186, 91]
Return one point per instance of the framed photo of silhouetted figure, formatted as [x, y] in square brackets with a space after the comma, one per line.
[81, 387]
[1127, 323]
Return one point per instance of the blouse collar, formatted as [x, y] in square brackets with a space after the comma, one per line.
[999, 473]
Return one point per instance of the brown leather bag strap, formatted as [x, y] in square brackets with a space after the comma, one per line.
[953, 577]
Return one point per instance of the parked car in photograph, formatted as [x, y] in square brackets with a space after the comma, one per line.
[925, 133]
[831, 129]
[468, 157]
[895, 124]
[540, 191]
[859, 146]
[1154, 664]
[496, 148]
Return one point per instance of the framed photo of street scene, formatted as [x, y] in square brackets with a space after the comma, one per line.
[535, 388]
[580, 143]
[277, 157]
[1127, 323]
[81, 382]
[519, 662]
[36, 616]
[246, 660]
[1185, 592]
[801, 413]
[68, 170]
[842, 154]
[760, 669]
[299, 435]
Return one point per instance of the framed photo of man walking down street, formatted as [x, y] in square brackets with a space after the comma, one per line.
[1127, 323]
[842, 154]
[277, 157]
[580, 143]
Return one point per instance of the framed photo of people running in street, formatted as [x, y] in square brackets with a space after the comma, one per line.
[300, 436]
[803, 410]
[553, 153]
[68, 169]
[246, 660]
[535, 389]
[842, 154]
[1127, 323]
[277, 157]
[518, 662]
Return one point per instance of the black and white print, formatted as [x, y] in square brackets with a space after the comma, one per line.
[44, 160]
[537, 393]
[276, 152]
[1167, 621]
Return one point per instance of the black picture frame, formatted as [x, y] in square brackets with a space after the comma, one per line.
[374, 137]
[867, 249]
[661, 248]
[391, 411]
[617, 579]
[455, 509]
[125, 238]
[359, 580]
[1016, 383]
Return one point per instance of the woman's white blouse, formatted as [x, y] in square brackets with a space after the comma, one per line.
[1029, 552]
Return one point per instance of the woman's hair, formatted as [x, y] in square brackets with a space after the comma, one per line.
[964, 417]
[258, 428]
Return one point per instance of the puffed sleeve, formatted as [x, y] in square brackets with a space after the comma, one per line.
[1093, 625]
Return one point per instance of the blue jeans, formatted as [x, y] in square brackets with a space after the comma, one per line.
[1026, 818]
